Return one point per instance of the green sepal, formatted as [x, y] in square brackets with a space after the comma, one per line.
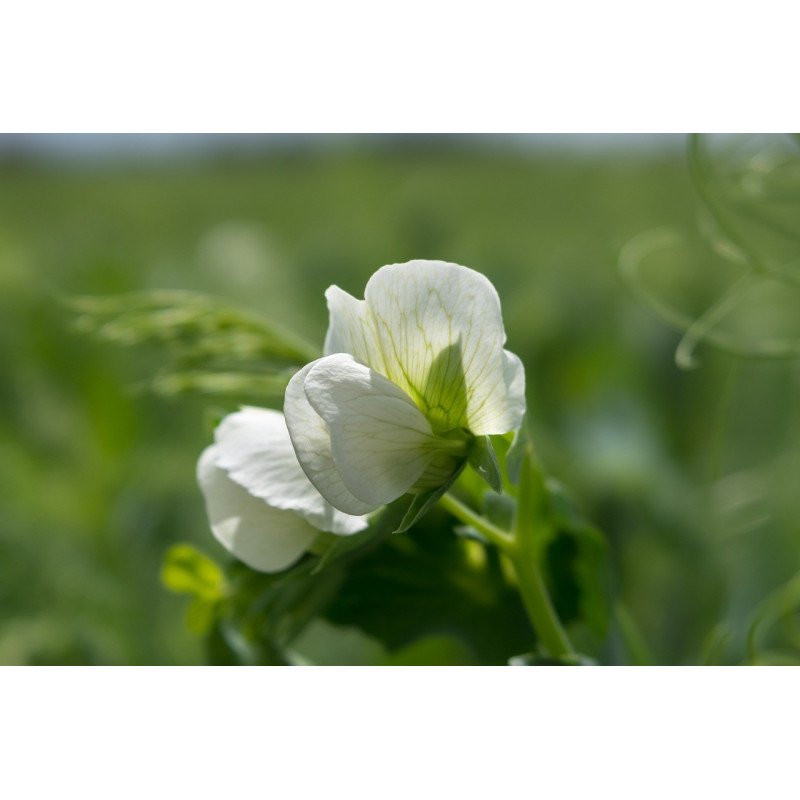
[482, 459]
[343, 546]
[421, 504]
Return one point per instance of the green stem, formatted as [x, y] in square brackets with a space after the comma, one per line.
[531, 527]
[495, 535]
[538, 604]
[518, 549]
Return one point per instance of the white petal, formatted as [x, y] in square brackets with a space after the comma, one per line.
[312, 445]
[352, 329]
[380, 440]
[265, 538]
[254, 448]
[514, 379]
[436, 330]
[441, 333]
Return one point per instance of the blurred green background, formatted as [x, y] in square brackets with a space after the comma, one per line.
[691, 474]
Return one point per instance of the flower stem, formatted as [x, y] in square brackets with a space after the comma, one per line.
[518, 548]
[495, 535]
[531, 527]
[538, 604]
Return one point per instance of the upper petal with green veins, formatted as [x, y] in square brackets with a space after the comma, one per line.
[435, 329]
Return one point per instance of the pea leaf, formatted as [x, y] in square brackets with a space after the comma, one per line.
[428, 583]
[187, 570]
[574, 567]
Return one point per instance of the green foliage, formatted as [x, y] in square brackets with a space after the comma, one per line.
[749, 240]
[572, 552]
[212, 347]
[429, 583]
[783, 605]
[188, 571]
[264, 614]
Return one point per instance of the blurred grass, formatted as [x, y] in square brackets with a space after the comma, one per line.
[691, 475]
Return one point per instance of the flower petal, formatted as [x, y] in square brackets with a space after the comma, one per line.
[441, 332]
[254, 448]
[380, 440]
[514, 379]
[352, 329]
[436, 330]
[265, 538]
[312, 445]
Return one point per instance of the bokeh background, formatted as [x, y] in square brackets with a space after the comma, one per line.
[692, 475]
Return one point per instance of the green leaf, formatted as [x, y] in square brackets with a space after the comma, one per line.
[572, 551]
[270, 611]
[483, 460]
[430, 583]
[574, 569]
[187, 570]
[265, 613]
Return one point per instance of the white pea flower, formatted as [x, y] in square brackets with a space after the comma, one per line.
[411, 374]
[260, 503]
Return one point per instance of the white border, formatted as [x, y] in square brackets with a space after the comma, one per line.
[420, 65]
[398, 732]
